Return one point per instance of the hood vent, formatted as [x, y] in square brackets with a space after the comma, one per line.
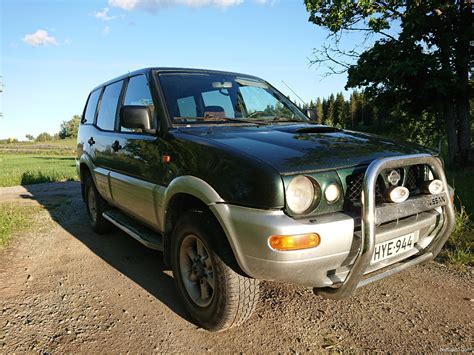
[318, 129]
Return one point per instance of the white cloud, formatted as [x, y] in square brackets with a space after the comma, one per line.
[40, 38]
[106, 31]
[104, 15]
[154, 5]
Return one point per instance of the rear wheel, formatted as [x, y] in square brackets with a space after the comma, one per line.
[95, 205]
[216, 296]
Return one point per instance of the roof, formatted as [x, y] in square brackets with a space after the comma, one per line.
[169, 70]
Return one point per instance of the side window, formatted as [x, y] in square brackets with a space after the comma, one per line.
[108, 106]
[138, 93]
[187, 107]
[91, 107]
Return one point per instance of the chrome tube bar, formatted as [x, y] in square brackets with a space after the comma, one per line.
[362, 261]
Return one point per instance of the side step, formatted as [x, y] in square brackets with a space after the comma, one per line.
[144, 235]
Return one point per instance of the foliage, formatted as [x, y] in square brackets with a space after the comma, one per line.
[418, 64]
[460, 245]
[44, 137]
[69, 128]
[30, 137]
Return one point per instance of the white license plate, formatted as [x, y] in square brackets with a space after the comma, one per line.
[393, 247]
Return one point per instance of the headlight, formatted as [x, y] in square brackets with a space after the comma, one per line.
[301, 193]
[332, 193]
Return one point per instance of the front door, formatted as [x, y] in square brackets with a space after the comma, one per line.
[137, 160]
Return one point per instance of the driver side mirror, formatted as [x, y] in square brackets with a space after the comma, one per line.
[311, 114]
[133, 116]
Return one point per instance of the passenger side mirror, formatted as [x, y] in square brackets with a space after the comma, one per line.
[311, 114]
[133, 116]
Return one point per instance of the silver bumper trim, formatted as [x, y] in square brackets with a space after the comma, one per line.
[362, 261]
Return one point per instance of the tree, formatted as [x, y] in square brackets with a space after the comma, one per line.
[339, 110]
[69, 128]
[329, 119]
[30, 137]
[319, 111]
[44, 137]
[419, 62]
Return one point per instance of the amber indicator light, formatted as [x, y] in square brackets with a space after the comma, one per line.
[165, 159]
[294, 242]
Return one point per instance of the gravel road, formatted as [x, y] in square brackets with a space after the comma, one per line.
[65, 289]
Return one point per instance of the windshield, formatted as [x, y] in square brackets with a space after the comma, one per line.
[218, 98]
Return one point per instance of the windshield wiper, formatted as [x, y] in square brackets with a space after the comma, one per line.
[243, 120]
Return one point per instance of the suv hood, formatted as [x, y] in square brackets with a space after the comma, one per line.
[297, 148]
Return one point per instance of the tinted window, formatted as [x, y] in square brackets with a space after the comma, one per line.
[138, 93]
[91, 107]
[108, 106]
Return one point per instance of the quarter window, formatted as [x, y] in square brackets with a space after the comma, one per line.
[108, 106]
[91, 107]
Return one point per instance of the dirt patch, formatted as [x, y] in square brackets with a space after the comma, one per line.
[65, 289]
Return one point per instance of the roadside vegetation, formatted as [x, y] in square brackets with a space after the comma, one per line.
[14, 218]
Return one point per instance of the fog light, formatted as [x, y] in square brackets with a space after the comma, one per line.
[332, 193]
[294, 242]
[398, 194]
[433, 187]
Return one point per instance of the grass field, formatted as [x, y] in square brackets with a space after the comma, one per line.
[25, 169]
[27, 163]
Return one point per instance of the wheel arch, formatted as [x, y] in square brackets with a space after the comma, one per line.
[188, 193]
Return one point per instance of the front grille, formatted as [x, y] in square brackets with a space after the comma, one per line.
[411, 177]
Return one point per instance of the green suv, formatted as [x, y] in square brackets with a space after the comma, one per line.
[235, 184]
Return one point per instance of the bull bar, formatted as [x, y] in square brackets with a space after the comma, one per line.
[354, 278]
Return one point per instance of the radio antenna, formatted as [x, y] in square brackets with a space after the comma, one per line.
[304, 103]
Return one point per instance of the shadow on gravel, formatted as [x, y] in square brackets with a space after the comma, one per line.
[140, 264]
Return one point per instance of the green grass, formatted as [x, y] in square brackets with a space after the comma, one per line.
[25, 169]
[460, 246]
[14, 218]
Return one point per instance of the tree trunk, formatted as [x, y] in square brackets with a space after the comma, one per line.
[451, 131]
[462, 81]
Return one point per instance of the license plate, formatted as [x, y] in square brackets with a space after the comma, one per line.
[393, 247]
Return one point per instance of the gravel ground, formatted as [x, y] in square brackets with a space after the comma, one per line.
[65, 289]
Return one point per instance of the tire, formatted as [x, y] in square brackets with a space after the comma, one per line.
[216, 297]
[95, 206]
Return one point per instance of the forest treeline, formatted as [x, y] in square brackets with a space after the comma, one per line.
[358, 112]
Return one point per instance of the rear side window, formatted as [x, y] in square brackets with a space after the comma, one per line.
[108, 106]
[91, 107]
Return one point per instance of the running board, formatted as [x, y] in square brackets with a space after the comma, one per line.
[144, 235]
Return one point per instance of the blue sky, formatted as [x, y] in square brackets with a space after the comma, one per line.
[53, 52]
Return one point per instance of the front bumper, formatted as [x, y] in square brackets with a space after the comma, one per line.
[347, 242]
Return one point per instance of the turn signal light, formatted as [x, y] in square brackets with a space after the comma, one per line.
[294, 242]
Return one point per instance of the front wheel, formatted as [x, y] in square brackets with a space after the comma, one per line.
[216, 296]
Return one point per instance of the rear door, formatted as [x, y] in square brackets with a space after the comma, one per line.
[134, 179]
[104, 137]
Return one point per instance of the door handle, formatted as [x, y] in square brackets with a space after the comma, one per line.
[91, 141]
[116, 146]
